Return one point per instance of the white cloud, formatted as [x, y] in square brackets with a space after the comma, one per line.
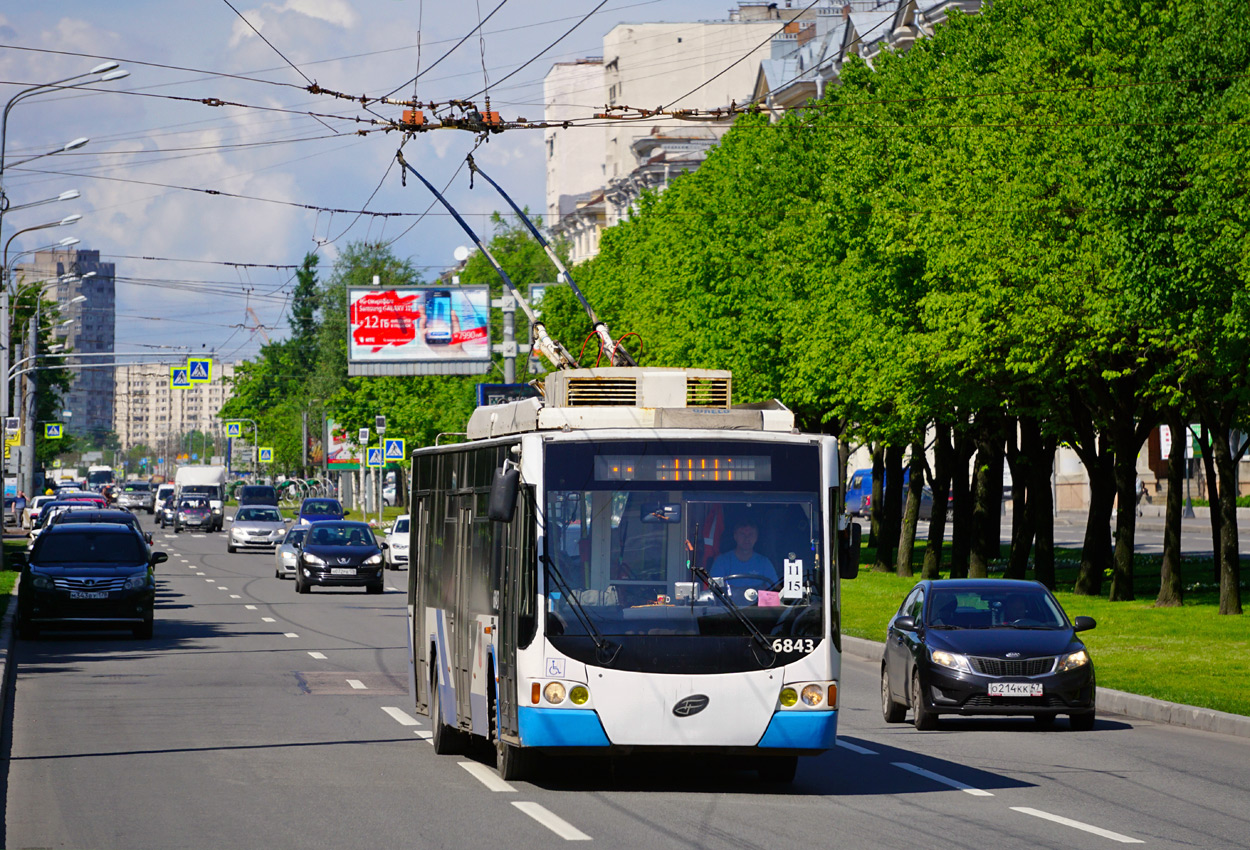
[334, 12]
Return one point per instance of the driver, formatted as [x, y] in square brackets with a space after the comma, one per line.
[743, 560]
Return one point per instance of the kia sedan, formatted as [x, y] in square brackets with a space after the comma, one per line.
[340, 554]
[986, 647]
[255, 528]
[95, 575]
[286, 556]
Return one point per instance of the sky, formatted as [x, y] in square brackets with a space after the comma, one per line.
[157, 151]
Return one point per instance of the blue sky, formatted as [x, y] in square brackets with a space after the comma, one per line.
[149, 132]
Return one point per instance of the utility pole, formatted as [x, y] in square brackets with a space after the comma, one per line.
[379, 423]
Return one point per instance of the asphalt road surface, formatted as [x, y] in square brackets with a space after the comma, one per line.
[257, 718]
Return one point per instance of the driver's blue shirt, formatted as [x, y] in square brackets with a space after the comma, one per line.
[729, 564]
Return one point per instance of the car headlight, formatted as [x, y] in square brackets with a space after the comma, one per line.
[216, 510]
[375, 559]
[137, 581]
[181, 515]
[41, 581]
[812, 695]
[950, 660]
[1072, 661]
[554, 693]
[310, 558]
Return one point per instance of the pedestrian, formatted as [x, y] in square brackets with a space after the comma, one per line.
[1140, 487]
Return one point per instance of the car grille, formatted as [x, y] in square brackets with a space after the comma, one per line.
[1012, 666]
[984, 701]
[90, 584]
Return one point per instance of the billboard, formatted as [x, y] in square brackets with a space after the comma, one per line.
[418, 330]
[344, 453]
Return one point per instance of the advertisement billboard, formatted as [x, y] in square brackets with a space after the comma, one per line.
[344, 453]
[418, 330]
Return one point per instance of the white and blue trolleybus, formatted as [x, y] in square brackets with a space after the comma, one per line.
[629, 563]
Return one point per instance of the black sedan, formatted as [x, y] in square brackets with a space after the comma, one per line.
[98, 575]
[986, 646]
[340, 553]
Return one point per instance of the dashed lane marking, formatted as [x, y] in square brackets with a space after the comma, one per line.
[290, 634]
[487, 777]
[250, 607]
[1076, 824]
[235, 596]
[357, 685]
[855, 748]
[552, 821]
[268, 620]
[945, 780]
[320, 656]
[401, 717]
[424, 735]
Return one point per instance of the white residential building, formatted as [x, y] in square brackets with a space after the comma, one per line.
[150, 413]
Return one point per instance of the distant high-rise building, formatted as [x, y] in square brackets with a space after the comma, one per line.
[153, 414]
[90, 327]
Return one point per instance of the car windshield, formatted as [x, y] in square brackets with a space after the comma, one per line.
[258, 515]
[88, 547]
[400, 527]
[295, 536]
[321, 507]
[192, 505]
[994, 609]
[340, 535]
[138, 488]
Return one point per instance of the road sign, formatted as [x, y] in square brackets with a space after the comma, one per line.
[199, 369]
[266, 455]
[394, 448]
[234, 429]
[12, 424]
[374, 457]
[179, 378]
[53, 431]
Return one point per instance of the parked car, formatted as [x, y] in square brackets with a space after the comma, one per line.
[92, 574]
[137, 495]
[340, 554]
[318, 509]
[397, 544]
[859, 494]
[986, 646]
[256, 494]
[49, 512]
[194, 512]
[33, 508]
[117, 516]
[286, 556]
[255, 526]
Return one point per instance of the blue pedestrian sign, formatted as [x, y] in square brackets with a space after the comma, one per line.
[374, 457]
[394, 448]
[234, 429]
[179, 378]
[266, 455]
[199, 370]
[53, 431]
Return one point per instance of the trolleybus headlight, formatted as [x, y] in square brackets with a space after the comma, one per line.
[813, 695]
[579, 695]
[554, 693]
[789, 696]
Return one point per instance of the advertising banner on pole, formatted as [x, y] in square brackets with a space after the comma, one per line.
[419, 330]
[343, 453]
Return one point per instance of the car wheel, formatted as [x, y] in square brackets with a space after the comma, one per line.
[144, 632]
[1081, 722]
[374, 588]
[922, 717]
[446, 741]
[27, 630]
[893, 712]
[778, 770]
[300, 587]
[230, 548]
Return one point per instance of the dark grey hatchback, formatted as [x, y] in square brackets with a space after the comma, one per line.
[986, 646]
[98, 575]
[339, 553]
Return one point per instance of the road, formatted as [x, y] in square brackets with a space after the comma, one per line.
[259, 718]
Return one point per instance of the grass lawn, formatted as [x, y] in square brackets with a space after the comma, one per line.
[1190, 654]
[8, 576]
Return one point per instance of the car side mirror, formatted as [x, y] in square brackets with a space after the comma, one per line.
[905, 624]
[1083, 624]
[848, 550]
[229, 519]
[504, 487]
[158, 558]
[384, 546]
[147, 535]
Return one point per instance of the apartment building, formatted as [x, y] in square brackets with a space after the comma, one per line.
[149, 412]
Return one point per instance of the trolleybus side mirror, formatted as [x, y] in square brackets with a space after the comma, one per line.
[504, 487]
[848, 551]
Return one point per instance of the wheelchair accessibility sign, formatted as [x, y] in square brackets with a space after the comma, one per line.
[53, 431]
[375, 457]
[394, 449]
[266, 455]
[234, 429]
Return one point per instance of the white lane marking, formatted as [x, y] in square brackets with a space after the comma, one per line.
[235, 596]
[401, 717]
[219, 587]
[209, 580]
[428, 737]
[855, 748]
[357, 685]
[390, 589]
[290, 634]
[318, 655]
[199, 535]
[553, 822]
[200, 574]
[1076, 824]
[487, 777]
[250, 607]
[268, 620]
[945, 780]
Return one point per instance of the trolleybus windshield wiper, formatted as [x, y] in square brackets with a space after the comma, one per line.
[733, 609]
[605, 651]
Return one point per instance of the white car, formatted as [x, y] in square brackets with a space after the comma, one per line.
[31, 513]
[397, 544]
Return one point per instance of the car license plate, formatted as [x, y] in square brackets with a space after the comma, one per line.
[342, 571]
[1015, 689]
[88, 594]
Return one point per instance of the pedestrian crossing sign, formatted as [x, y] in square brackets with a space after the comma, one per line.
[53, 431]
[234, 429]
[199, 370]
[394, 448]
[266, 455]
[374, 457]
[179, 378]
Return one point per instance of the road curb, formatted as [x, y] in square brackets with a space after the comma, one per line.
[6, 642]
[1116, 702]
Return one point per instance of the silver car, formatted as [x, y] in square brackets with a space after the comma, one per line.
[256, 526]
[137, 495]
[397, 545]
[286, 556]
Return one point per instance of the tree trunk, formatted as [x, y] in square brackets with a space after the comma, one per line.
[961, 536]
[1041, 508]
[915, 489]
[1125, 446]
[1230, 560]
[1096, 550]
[1021, 461]
[891, 509]
[1171, 586]
[878, 494]
[1203, 439]
[987, 494]
[943, 459]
